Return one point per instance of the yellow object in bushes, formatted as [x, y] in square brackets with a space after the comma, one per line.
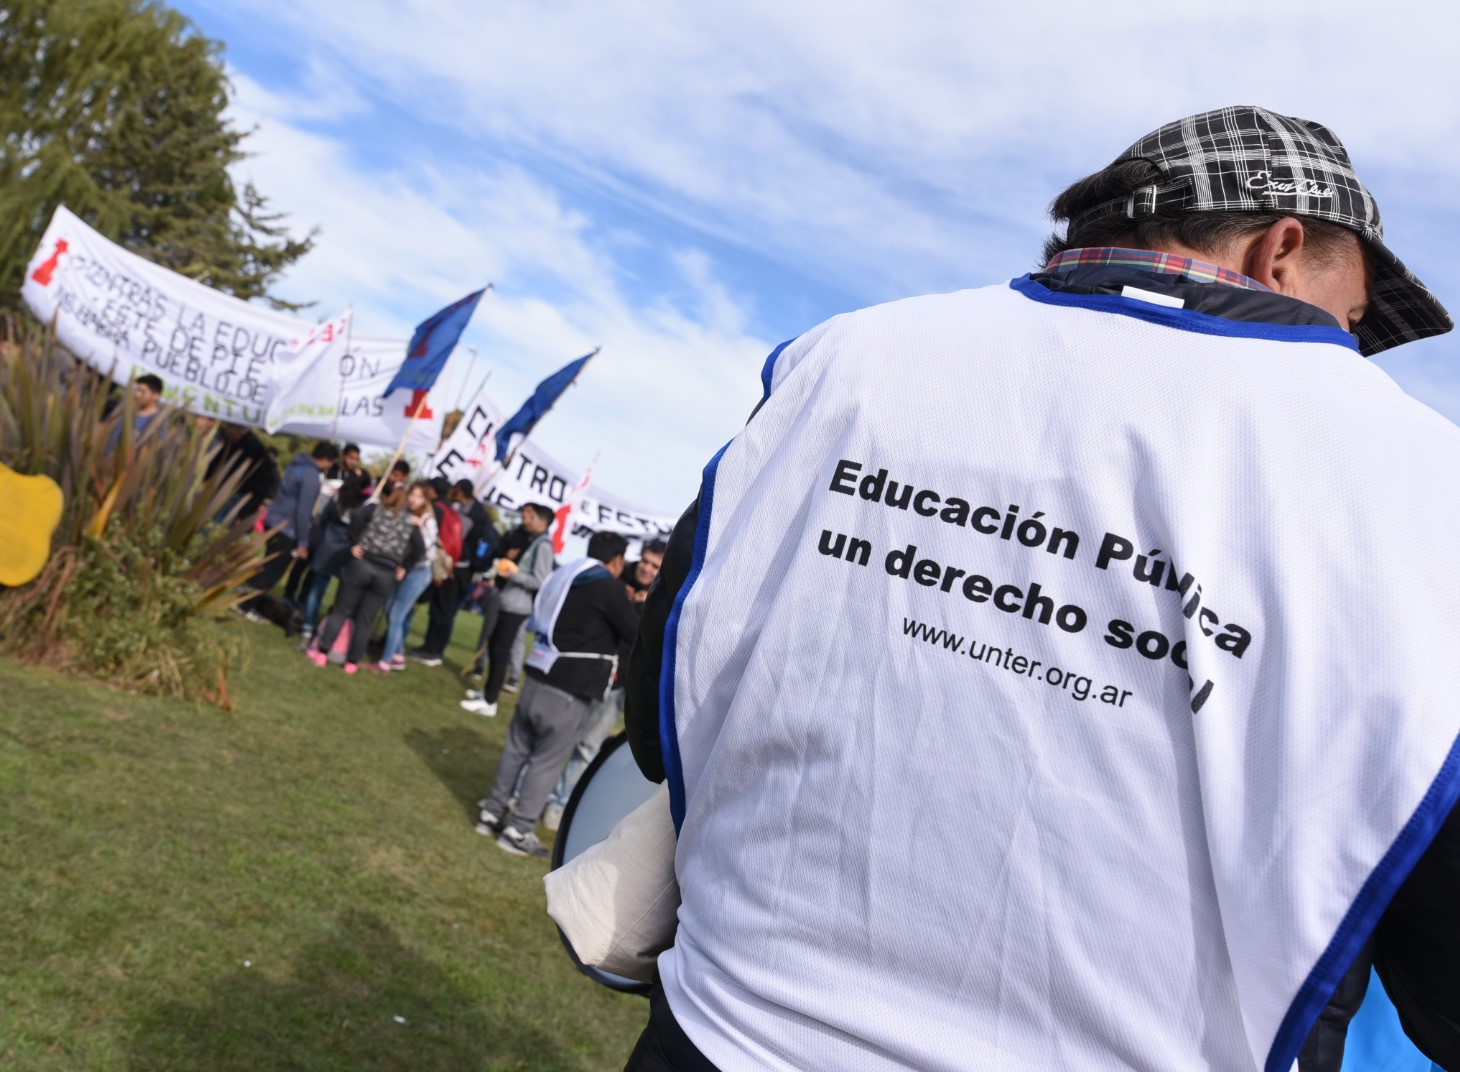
[30, 513]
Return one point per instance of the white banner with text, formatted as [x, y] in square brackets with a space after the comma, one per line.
[531, 475]
[218, 355]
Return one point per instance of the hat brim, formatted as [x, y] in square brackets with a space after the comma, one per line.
[1401, 308]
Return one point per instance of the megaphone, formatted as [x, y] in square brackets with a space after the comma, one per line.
[610, 789]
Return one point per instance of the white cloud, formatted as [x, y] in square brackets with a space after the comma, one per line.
[670, 385]
[886, 148]
[808, 120]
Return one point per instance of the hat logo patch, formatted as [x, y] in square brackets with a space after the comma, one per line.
[1263, 180]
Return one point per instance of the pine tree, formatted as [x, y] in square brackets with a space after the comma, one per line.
[115, 109]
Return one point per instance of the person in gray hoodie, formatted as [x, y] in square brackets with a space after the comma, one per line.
[518, 584]
[293, 509]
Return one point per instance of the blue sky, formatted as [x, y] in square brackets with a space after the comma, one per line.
[688, 185]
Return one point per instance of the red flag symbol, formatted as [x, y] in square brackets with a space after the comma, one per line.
[43, 274]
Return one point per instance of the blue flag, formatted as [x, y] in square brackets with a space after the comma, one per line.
[432, 344]
[517, 427]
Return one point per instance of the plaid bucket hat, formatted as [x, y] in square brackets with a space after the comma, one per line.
[1246, 159]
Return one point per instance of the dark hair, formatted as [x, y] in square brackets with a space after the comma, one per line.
[325, 450]
[606, 546]
[1208, 232]
[544, 512]
[402, 467]
[351, 493]
[350, 448]
[657, 547]
[441, 486]
[466, 487]
[393, 498]
[149, 380]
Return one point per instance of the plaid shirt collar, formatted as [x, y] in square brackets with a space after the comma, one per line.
[1182, 269]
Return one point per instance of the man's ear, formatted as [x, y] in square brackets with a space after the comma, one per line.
[1275, 257]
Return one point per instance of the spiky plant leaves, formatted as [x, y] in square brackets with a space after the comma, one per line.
[149, 550]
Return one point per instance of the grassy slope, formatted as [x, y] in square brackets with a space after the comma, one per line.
[268, 889]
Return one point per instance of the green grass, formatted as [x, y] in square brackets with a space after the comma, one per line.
[187, 888]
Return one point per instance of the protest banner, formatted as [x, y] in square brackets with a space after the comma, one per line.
[124, 316]
[352, 380]
[531, 475]
[469, 452]
[218, 355]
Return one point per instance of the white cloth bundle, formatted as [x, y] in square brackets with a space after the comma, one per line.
[617, 903]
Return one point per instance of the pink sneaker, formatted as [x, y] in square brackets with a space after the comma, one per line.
[382, 666]
[352, 668]
[317, 657]
[397, 662]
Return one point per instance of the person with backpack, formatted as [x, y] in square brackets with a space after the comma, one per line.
[386, 544]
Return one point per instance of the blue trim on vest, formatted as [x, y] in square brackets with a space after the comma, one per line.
[770, 368]
[1363, 916]
[1184, 319]
[668, 735]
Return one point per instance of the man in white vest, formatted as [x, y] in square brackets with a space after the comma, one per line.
[580, 618]
[1100, 712]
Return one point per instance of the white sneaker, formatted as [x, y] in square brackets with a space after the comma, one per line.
[480, 707]
[552, 815]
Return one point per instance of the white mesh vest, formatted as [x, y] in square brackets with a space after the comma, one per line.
[1062, 682]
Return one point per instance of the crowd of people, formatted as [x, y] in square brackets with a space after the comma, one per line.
[558, 635]
[384, 551]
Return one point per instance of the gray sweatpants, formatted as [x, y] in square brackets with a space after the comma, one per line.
[544, 729]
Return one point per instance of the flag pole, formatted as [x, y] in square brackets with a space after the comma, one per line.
[340, 401]
[481, 385]
[399, 450]
[465, 372]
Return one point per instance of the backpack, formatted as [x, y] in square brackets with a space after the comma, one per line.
[451, 533]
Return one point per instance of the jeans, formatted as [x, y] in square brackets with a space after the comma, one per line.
[318, 584]
[601, 721]
[402, 603]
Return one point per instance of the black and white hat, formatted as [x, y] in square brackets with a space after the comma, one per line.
[1246, 159]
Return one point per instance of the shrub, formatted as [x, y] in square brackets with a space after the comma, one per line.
[146, 557]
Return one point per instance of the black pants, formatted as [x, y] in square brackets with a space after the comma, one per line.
[280, 549]
[499, 650]
[491, 604]
[444, 599]
[364, 587]
[296, 584]
[664, 1047]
